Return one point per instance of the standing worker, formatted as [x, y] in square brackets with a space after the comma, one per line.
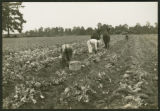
[127, 37]
[106, 39]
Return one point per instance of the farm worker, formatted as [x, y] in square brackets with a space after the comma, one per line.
[106, 39]
[66, 54]
[127, 37]
[92, 45]
[95, 35]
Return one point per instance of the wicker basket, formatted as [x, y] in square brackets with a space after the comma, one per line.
[74, 65]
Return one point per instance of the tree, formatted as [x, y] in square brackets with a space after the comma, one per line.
[156, 25]
[148, 24]
[61, 31]
[156, 28]
[68, 31]
[40, 31]
[76, 30]
[105, 27]
[12, 18]
[138, 28]
[82, 31]
[89, 30]
[46, 31]
[99, 25]
[125, 26]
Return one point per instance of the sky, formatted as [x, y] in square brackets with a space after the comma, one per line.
[87, 14]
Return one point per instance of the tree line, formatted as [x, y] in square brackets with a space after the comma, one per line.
[120, 29]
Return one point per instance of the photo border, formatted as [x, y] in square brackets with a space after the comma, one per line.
[81, 1]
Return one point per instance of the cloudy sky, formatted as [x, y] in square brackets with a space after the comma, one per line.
[87, 14]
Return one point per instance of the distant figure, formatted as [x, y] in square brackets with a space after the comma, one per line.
[66, 54]
[127, 37]
[93, 45]
[106, 39]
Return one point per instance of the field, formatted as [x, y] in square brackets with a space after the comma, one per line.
[17, 44]
[123, 77]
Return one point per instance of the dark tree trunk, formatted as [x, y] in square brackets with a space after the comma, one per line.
[8, 32]
[8, 27]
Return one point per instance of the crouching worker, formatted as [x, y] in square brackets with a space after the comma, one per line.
[66, 54]
[93, 45]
